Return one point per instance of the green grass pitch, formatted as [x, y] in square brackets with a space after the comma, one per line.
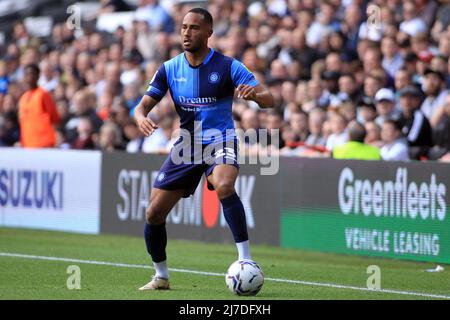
[33, 278]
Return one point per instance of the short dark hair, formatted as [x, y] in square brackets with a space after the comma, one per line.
[207, 17]
[274, 112]
[34, 67]
[395, 123]
[356, 131]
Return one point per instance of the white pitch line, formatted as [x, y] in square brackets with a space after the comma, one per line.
[141, 266]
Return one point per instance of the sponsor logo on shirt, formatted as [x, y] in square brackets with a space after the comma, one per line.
[182, 79]
[197, 101]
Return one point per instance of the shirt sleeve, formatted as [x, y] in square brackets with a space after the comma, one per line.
[241, 75]
[50, 108]
[158, 85]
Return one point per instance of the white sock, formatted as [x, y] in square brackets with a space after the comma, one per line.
[161, 269]
[243, 250]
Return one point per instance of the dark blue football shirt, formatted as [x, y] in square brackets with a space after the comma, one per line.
[203, 95]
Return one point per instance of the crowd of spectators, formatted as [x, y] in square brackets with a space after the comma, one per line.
[380, 66]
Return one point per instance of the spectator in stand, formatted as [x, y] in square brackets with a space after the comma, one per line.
[155, 15]
[315, 142]
[37, 113]
[338, 129]
[130, 66]
[109, 138]
[412, 23]
[416, 126]
[333, 62]
[274, 123]
[250, 124]
[422, 47]
[440, 122]
[385, 106]
[29, 56]
[366, 32]
[371, 58]
[331, 92]
[104, 105]
[348, 110]
[355, 148]
[350, 27]
[392, 59]
[20, 34]
[132, 96]
[316, 120]
[423, 63]
[410, 65]
[439, 63]
[402, 79]
[298, 122]
[314, 92]
[395, 146]
[428, 10]
[366, 111]
[348, 89]
[49, 78]
[134, 137]
[84, 140]
[159, 140]
[373, 134]
[287, 95]
[9, 129]
[111, 82]
[435, 92]
[442, 20]
[372, 83]
[324, 24]
[301, 51]
[4, 79]
[81, 108]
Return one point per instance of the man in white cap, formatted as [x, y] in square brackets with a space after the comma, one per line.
[385, 104]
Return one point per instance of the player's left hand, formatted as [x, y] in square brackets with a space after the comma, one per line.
[246, 92]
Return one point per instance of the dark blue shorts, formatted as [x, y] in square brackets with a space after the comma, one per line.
[185, 172]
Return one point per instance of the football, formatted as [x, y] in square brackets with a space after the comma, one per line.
[244, 278]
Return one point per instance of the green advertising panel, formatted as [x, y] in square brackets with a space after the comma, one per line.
[396, 210]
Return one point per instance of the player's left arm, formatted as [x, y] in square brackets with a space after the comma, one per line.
[259, 93]
[50, 108]
[248, 87]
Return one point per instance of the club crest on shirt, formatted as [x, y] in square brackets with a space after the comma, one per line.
[161, 176]
[214, 77]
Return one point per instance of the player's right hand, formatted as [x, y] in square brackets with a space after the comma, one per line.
[146, 126]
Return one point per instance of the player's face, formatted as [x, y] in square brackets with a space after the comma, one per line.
[194, 32]
[30, 77]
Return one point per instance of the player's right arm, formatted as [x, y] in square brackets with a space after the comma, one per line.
[155, 92]
[145, 124]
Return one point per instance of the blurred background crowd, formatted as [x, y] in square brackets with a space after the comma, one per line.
[341, 71]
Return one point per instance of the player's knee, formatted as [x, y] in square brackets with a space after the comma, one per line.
[224, 189]
[154, 216]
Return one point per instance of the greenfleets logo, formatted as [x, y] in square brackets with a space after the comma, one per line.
[392, 198]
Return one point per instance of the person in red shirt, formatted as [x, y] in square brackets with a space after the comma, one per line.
[37, 113]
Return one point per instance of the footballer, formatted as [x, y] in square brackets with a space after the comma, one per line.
[202, 85]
